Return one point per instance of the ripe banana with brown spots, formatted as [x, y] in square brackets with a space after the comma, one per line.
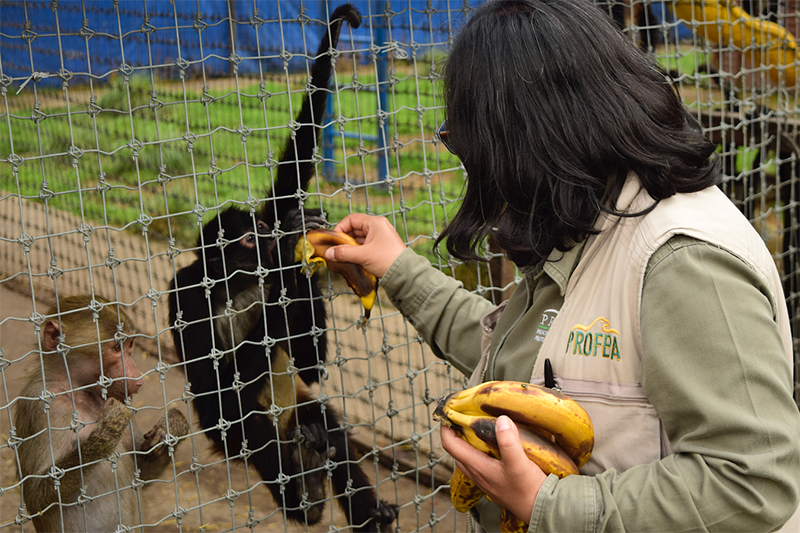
[312, 248]
[531, 405]
[473, 412]
[509, 523]
[479, 431]
[464, 493]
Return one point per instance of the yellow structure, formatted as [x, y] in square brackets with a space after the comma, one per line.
[724, 23]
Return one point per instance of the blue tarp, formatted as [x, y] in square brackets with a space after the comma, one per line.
[81, 39]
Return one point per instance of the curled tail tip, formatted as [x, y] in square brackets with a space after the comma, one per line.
[348, 12]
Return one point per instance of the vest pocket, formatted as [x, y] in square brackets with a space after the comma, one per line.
[626, 434]
[627, 430]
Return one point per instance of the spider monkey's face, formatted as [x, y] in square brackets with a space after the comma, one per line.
[252, 236]
[237, 240]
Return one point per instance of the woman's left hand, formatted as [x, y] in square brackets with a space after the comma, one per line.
[512, 482]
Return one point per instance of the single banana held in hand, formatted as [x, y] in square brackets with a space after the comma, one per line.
[556, 433]
[312, 248]
[464, 493]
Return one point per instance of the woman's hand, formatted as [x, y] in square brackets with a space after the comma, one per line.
[512, 482]
[380, 243]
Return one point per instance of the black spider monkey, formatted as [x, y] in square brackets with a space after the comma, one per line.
[250, 328]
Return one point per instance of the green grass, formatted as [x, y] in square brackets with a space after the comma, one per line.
[134, 159]
[689, 61]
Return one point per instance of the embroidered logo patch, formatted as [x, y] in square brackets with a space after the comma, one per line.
[600, 343]
[544, 326]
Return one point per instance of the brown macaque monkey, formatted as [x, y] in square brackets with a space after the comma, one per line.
[79, 472]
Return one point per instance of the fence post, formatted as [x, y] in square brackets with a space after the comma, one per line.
[383, 81]
[382, 106]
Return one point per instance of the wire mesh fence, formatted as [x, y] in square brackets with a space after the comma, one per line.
[126, 126]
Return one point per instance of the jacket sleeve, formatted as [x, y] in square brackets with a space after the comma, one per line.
[716, 372]
[446, 315]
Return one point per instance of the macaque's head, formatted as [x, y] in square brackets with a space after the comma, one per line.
[96, 335]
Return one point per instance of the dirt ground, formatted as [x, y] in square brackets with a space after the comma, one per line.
[219, 496]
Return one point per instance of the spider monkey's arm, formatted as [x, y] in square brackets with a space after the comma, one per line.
[301, 144]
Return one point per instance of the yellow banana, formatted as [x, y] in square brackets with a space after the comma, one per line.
[464, 493]
[479, 431]
[722, 22]
[509, 523]
[312, 248]
[529, 405]
[476, 430]
[548, 456]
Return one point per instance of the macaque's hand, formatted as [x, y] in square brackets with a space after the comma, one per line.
[381, 243]
[113, 419]
[178, 427]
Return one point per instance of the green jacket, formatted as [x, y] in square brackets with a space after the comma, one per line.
[750, 476]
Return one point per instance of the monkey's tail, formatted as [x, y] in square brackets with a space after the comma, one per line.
[356, 494]
[295, 170]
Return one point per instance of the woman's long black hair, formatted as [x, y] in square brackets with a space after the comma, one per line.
[549, 107]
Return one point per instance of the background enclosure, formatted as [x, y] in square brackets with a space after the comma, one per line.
[125, 125]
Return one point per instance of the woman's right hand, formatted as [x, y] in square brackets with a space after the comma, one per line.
[381, 244]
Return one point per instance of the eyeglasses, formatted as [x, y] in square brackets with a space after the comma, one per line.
[444, 135]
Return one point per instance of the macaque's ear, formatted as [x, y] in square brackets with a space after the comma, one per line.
[50, 337]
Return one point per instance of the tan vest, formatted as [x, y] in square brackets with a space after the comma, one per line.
[594, 344]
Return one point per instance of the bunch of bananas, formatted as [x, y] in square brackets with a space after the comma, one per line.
[312, 249]
[556, 433]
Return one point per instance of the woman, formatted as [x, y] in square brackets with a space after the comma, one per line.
[655, 301]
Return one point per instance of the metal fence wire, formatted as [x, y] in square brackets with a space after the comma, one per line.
[125, 126]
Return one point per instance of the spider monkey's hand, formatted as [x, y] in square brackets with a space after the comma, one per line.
[310, 455]
[293, 225]
[296, 221]
[313, 438]
[299, 219]
[384, 515]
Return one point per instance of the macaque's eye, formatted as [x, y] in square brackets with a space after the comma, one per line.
[117, 347]
[261, 227]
